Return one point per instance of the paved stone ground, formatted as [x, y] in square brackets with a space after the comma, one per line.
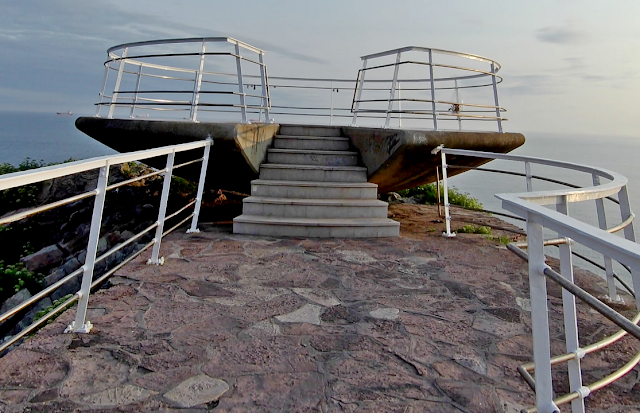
[231, 323]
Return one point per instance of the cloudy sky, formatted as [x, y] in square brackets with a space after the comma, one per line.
[570, 66]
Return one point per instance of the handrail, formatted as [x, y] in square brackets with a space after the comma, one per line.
[459, 77]
[145, 63]
[531, 205]
[216, 94]
[103, 164]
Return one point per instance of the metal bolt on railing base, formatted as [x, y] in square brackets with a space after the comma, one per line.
[193, 231]
[84, 329]
[617, 300]
[160, 261]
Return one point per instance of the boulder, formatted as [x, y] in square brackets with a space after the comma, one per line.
[14, 300]
[45, 258]
[31, 314]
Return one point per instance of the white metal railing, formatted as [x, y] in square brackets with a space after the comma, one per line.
[435, 72]
[171, 76]
[195, 79]
[530, 205]
[81, 325]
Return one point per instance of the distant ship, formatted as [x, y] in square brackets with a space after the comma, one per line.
[69, 113]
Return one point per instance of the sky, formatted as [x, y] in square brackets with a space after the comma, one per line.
[569, 66]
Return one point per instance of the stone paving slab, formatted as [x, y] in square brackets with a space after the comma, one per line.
[231, 323]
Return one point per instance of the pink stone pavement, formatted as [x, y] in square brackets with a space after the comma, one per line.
[232, 323]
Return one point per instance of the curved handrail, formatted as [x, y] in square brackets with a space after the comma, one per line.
[148, 67]
[434, 110]
[530, 205]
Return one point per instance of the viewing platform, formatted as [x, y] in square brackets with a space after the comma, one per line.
[232, 323]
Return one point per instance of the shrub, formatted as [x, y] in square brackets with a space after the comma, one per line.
[428, 194]
[15, 277]
[472, 229]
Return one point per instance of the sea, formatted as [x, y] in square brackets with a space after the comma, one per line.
[49, 137]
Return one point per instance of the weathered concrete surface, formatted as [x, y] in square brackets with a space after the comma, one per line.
[235, 157]
[400, 158]
[419, 323]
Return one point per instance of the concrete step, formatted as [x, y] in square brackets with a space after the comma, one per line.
[311, 157]
[314, 208]
[313, 190]
[317, 173]
[323, 143]
[315, 227]
[300, 130]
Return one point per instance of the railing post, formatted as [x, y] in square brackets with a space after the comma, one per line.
[81, 325]
[203, 175]
[625, 212]
[570, 317]
[331, 106]
[445, 190]
[104, 87]
[433, 93]
[527, 171]
[135, 95]
[539, 317]
[114, 96]
[455, 82]
[400, 104]
[608, 264]
[392, 94]
[243, 104]
[358, 96]
[195, 100]
[155, 259]
[265, 88]
[495, 96]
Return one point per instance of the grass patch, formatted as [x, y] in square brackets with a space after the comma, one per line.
[55, 304]
[15, 277]
[474, 229]
[428, 194]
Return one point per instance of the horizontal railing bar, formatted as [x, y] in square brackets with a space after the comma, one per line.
[594, 303]
[186, 40]
[49, 172]
[38, 323]
[168, 217]
[427, 50]
[188, 163]
[122, 264]
[127, 242]
[178, 224]
[25, 214]
[138, 178]
[40, 295]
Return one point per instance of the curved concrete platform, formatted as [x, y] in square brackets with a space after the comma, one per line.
[394, 158]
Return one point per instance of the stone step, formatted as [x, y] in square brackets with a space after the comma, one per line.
[317, 173]
[300, 130]
[315, 227]
[314, 208]
[311, 157]
[323, 143]
[313, 190]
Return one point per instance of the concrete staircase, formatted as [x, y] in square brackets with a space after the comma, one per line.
[312, 186]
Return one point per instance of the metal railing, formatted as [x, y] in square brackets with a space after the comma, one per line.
[144, 82]
[530, 206]
[175, 79]
[13, 180]
[442, 71]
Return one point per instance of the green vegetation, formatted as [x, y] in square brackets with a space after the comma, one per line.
[15, 277]
[428, 194]
[502, 239]
[55, 304]
[473, 229]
